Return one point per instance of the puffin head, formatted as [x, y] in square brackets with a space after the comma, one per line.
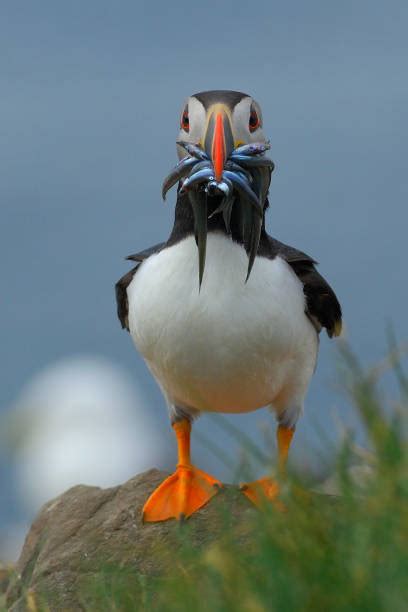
[220, 121]
[223, 168]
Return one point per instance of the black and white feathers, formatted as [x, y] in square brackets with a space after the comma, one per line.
[322, 305]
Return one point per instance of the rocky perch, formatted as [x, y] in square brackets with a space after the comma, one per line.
[87, 528]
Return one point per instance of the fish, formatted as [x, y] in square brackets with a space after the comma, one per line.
[179, 172]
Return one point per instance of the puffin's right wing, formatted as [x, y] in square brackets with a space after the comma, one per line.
[123, 283]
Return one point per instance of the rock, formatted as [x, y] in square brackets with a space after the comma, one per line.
[87, 528]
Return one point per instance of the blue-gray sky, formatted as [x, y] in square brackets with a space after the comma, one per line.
[89, 106]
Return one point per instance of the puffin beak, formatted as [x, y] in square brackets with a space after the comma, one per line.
[218, 139]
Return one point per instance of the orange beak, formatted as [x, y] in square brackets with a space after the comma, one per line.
[218, 140]
[218, 152]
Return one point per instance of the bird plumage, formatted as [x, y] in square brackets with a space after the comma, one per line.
[232, 346]
[226, 317]
[321, 304]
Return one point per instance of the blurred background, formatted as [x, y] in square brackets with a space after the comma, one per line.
[90, 100]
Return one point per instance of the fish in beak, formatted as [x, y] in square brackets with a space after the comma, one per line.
[215, 164]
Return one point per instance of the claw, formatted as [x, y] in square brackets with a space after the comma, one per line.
[180, 495]
[263, 490]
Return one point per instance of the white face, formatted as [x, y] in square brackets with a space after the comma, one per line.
[245, 119]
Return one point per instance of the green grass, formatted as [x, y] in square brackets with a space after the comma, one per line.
[325, 553]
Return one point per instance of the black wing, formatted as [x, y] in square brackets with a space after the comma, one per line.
[123, 283]
[322, 305]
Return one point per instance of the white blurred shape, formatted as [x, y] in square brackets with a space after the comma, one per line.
[82, 422]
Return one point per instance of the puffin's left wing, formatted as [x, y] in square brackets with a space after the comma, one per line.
[322, 305]
[123, 283]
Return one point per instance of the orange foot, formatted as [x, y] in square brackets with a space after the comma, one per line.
[180, 495]
[264, 489]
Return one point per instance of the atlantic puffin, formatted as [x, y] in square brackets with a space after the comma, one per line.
[226, 317]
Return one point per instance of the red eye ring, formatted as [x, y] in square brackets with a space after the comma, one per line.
[185, 121]
[254, 121]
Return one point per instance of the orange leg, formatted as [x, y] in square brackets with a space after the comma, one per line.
[186, 490]
[284, 437]
[266, 487]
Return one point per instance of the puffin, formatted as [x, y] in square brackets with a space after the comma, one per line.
[226, 317]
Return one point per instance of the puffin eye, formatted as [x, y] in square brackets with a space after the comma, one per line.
[254, 121]
[185, 121]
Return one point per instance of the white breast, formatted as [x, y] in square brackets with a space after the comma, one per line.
[231, 347]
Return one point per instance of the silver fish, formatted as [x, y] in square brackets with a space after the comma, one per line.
[206, 174]
[244, 189]
[201, 165]
[198, 201]
[232, 165]
[179, 172]
[226, 204]
[261, 181]
[253, 148]
[252, 162]
[255, 236]
[193, 149]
